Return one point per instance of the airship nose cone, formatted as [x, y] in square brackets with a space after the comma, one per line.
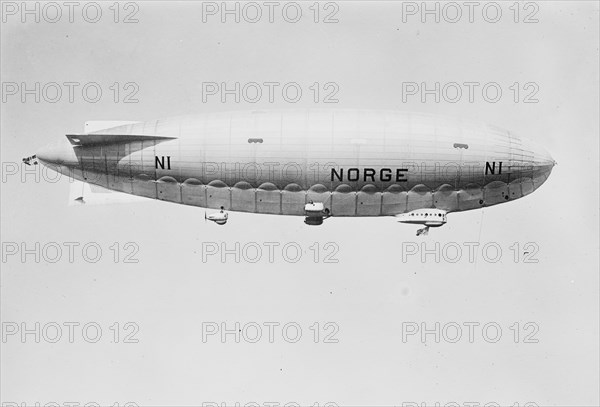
[58, 153]
[541, 161]
[536, 154]
[544, 160]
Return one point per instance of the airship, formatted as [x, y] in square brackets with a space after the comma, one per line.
[315, 163]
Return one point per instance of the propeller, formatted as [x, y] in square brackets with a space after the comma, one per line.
[423, 231]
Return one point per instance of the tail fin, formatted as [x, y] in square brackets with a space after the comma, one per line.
[84, 193]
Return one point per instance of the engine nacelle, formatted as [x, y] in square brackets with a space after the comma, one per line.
[313, 220]
[315, 213]
[220, 218]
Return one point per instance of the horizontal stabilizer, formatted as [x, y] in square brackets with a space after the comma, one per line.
[103, 139]
[89, 194]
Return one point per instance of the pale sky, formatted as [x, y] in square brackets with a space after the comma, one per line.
[370, 291]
